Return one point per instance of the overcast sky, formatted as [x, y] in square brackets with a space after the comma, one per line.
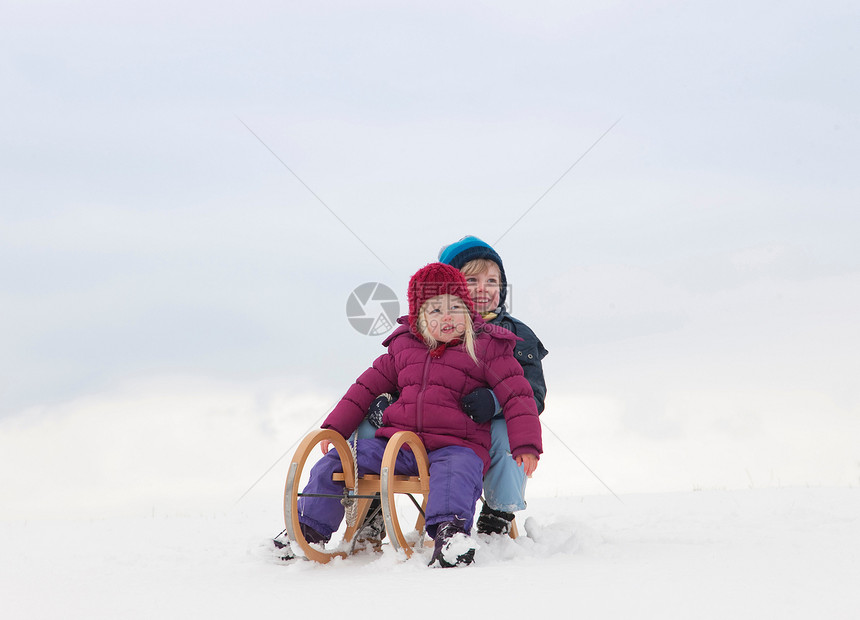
[190, 192]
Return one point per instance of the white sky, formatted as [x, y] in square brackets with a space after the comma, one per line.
[695, 276]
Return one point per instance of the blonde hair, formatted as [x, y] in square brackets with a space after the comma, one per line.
[478, 265]
[468, 337]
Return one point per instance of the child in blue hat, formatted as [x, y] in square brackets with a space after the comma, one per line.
[504, 482]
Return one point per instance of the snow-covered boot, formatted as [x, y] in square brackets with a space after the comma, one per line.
[282, 545]
[372, 531]
[453, 546]
[492, 521]
[282, 542]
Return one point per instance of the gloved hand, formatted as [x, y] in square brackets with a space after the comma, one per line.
[374, 412]
[480, 405]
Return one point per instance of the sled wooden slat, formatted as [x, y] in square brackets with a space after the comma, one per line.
[402, 484]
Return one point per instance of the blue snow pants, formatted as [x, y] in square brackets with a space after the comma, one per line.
[505, 482]
[455, 485]
[365, 430]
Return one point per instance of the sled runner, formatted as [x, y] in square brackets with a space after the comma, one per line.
[383, 486]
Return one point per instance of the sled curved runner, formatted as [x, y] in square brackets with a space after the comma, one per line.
[385, 485]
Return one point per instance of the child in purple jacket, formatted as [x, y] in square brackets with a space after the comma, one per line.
[441, 352]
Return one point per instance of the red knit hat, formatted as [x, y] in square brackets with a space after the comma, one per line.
[432, 280]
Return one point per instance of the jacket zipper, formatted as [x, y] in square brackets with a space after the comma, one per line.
[419, 403]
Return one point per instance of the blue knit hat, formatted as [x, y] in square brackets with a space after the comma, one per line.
[471, 248]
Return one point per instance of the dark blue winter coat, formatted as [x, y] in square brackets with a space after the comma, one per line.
[529, 351]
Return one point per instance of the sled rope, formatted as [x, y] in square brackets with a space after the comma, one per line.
[350, 505]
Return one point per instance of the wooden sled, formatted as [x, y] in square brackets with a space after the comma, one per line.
[383, 485]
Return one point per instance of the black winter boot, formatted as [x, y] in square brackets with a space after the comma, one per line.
[312, 536]
[492, 521]
[453, 545]
[282, 542]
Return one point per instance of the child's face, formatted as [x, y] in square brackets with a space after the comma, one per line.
[446, 317]
[485, 288]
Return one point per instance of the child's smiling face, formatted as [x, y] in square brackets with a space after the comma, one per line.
[446, 317]
[484, 287]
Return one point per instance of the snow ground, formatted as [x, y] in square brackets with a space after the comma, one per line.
[761, 553]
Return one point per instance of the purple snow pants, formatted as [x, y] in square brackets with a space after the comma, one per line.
[455, 484]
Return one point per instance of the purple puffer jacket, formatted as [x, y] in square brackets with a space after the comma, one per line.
[431, 388]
